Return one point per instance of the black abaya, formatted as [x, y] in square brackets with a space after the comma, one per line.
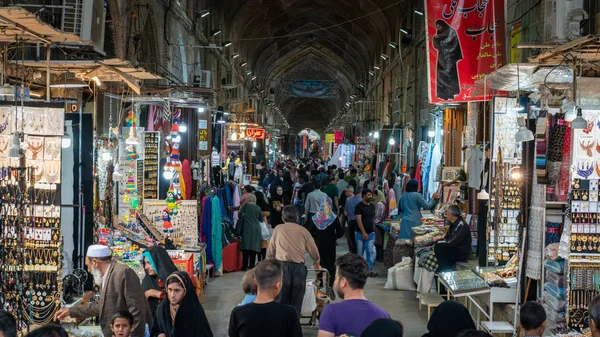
[163, 266]
[190, 319]
[449, 53]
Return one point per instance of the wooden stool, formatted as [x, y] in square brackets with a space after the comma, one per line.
[431, 300]
[498, 327]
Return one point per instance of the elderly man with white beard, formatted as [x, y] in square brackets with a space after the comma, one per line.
[120, 290]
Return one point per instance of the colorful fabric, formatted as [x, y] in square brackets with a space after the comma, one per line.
[429, 261]
[217, 232]
[325, 215]
[207, 227]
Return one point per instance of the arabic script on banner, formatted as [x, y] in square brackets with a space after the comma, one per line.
[465, 43]
[329, 138]
[338, 137]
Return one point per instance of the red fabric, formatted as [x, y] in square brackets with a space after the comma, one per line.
[232, 257]
[418, 172]
[187, 179]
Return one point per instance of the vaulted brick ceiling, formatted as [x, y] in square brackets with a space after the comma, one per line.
[313, 40]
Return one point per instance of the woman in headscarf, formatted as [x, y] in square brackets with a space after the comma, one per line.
[288, 187]
[277, 202]
[158, 266]
[449, 53]
[263, 203]
[384, 327]
[248, 189]
[411, 203]
[250, 233]
[181, 315]
[448, 320]
[380, 216]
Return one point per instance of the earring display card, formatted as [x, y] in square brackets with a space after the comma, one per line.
[505, 226]
[151, 159]
[185, 223]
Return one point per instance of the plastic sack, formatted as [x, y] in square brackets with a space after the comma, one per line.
[400, 276]
[309, 302]
[264, 231]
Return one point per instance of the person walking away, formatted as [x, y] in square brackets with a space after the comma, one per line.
[380, 216]
[355, 313]
[262, 174]
[449, 319]
[411, 204]
[265, 317]
[263, 203]
[181, 315]
[341, 184]
[289, 244]
[248, 287]
[332, 192]
[288, 187]
[532, 319]
[365, 229]
[384, 327]
[120, 290]
[277, 203]
[158, 265]
[456, 245]
[351, 201]
[250, 232]
[325, 239]
[276, 181]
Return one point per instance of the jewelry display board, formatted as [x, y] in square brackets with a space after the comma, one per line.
[505, 128]
[504, 238]
[185, 223]
[151, 157]
[30, 212]
[128, 188]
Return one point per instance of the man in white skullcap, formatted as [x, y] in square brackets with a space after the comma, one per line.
[120, 290]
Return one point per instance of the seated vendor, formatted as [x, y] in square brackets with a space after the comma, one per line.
[456, 245]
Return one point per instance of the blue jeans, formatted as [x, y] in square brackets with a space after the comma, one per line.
[366, 248]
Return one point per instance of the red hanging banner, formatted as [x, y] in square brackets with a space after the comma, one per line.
[338, 137]
[465, 42]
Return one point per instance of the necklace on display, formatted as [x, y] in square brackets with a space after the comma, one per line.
[54, 122]
[51, 172]
[4, 124]
[585, 171]
[52, 149]
[35, 149]
[587, 147]
[3, 141]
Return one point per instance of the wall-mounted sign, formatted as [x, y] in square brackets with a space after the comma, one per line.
[329, 138]
[255, 133]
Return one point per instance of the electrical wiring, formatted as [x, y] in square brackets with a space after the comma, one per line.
[556, 67]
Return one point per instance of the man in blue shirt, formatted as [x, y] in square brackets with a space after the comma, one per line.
[351, 202]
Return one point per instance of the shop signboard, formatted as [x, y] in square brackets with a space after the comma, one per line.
[465, 43]
[515, 39]
[255, 133]
[204, 133]
[329, 138]
[338, 136]
[363, 148]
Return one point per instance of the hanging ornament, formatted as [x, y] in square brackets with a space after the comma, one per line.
[131, 153]
[130, 187]
[135, 203]
[131, 120]
[171, 203]
[174, 155]
[167, 224]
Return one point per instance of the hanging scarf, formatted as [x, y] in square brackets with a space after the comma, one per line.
[217, 233]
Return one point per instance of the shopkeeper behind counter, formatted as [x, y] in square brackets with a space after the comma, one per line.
[456, 245]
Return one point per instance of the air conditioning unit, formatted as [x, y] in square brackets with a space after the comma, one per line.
[203, 79]
[563, 20]
[234, 95]
[230, 80]
[86, 19]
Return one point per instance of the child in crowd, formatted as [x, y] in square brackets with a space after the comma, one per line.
[121, 324]
[532, 318]
[249, 287]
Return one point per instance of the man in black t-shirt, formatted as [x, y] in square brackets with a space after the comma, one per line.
[365, 229]
[265, 317]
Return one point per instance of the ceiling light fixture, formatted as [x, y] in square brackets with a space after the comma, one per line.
[371, 73]
[215, 32]
[253, 78]
[384, 57]
[243, 64]
[205, 14]
[393, 45]
[404, 31]
[579, 122]
[418, 12]
[67, 81]
[376, 67]
[234, 56]
[227, 44]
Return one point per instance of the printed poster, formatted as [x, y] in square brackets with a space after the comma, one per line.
[465, 42]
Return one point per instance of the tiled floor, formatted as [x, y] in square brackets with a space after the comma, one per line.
[224, 293]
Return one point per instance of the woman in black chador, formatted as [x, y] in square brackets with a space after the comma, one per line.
[449, 53]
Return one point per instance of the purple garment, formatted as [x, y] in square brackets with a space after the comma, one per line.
[350, 317]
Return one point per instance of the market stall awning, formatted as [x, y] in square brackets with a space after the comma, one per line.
[527, 77]
[111, 70]
[19, 23]
[585, 48]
